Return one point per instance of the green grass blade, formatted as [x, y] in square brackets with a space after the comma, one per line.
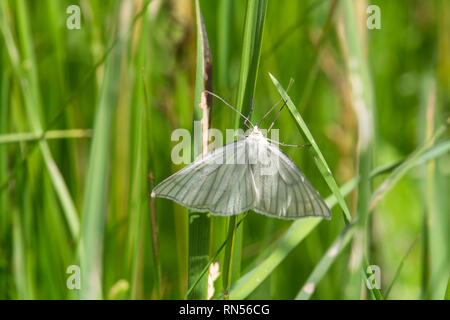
[22, 276]
[224, 12]
[199, 222]
[93, 213]
[52, 134]
[137, 207]
[251, 54]
[363, 103]
[317, 154]
[324, 264]
[5, 219]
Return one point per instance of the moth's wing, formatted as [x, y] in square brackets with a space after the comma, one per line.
[285, 192]
[221, 182]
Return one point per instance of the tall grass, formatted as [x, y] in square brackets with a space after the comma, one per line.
[199, 222]
[364, 105]
[86, 118]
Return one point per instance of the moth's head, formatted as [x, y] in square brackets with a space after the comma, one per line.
[257, 134]
[256, 131]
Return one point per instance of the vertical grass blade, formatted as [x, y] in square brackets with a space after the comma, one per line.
[251, 54]
[93, 213]
[137, 207]
[5, 219]
[362, 100]
[140, 206]
[437, 176]
[224, 11]
[199, 222]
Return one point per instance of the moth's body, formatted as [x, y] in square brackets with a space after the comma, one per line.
[241, 176]
[255, 141]
[257, 135]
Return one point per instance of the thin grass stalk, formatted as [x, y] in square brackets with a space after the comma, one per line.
[52, 134]
[155, 240]
[5, 219]
[400, 266]
[429, 196]
[417, 156]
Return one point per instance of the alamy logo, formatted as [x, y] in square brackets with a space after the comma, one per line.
[374, 19]
[73, 21]
[74, 280]
[251, 153]
[373, 280]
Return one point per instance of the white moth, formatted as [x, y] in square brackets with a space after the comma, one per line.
[248, 174]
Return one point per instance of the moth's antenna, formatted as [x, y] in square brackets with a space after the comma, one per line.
[291, 81]
[268, 112]
[289, 145]
[250, 114]
[276, 117]
[229, 105]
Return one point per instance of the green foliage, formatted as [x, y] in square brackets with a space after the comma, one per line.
[86, 118]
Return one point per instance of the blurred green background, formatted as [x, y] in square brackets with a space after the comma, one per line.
[109, 95]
